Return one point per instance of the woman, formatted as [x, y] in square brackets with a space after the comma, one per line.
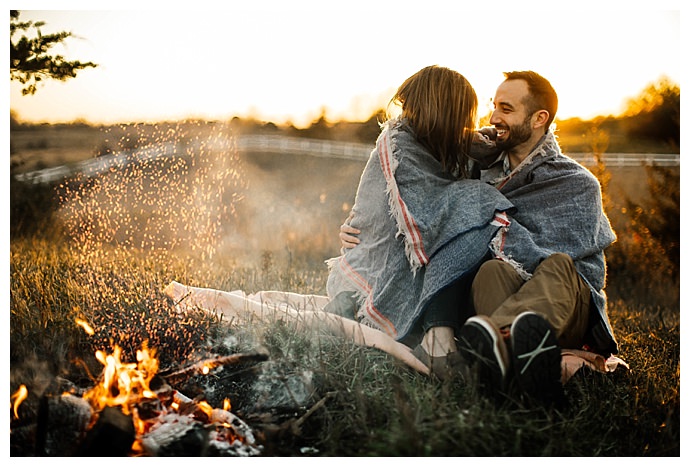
[428, 226]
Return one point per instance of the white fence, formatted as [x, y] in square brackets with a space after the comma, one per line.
[358, 151]
[303, 146]
[628, 160]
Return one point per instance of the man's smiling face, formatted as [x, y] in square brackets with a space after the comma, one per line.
[510, 116]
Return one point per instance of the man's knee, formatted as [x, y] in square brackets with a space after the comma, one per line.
[493, 268]
[560, 262]
[561, 258]
[496, 275]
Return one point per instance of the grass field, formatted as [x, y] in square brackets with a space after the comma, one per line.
[278, 224]
[373, 405]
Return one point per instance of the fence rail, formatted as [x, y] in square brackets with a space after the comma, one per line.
[303, 146]
[359, 151]
[628, 159]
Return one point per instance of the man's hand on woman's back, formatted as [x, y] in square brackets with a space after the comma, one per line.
[348, 234]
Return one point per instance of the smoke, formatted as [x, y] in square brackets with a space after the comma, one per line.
[294, 205]
[162, 190]
[184, 189]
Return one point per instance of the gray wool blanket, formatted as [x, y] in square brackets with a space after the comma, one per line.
[558, 208]
[421, 230]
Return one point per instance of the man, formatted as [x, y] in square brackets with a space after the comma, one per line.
[528, 310]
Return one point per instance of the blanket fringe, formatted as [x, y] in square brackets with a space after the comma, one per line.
[414, 250]
[496, 246]
[361, 294]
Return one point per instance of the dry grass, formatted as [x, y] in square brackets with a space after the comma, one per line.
[373, 406]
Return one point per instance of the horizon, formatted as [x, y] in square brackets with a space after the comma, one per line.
[247, 119]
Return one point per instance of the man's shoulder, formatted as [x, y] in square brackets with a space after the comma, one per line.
[561, 165]
[564, 161]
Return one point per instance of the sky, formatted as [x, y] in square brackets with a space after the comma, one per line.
[288, 62]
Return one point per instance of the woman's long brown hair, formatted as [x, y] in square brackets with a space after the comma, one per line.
[441, 107]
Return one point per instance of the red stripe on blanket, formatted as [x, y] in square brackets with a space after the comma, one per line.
[410, 225]
[505, 180]
[502, 237]
[501, 218]
[414, 231]
[384, 323]
[376, 316]
[354, 276]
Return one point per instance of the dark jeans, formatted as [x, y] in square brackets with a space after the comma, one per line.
[451, 306]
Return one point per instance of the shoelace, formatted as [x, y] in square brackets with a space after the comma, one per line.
[534, 353]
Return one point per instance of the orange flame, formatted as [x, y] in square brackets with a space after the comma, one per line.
[19, 397]
[123, 384]
[206, 408]
[127, 385]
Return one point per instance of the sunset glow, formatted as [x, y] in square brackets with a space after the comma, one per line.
[289, 65]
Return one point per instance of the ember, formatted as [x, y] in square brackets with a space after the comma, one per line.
[86, 326]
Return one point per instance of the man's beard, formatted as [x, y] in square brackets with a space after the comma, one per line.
[517, 134]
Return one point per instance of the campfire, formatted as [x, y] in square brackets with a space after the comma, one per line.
[132, 410]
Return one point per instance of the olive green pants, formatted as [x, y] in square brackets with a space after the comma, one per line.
[556, 291]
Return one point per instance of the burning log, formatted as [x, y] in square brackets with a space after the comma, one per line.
[197, 429]
[61, 425]
[176, 435]
[112, 435]
[174, 426]
[133, 410]
[205, 366]
[234, 438]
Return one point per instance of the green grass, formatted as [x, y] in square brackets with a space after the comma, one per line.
[370, 405]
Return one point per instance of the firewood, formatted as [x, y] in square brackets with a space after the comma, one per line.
[61, 424]
[112, 435]
[198, 368]
[191, 432]
[176, 435]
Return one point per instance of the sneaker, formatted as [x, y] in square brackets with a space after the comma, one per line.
[536, 358]
[481, 345]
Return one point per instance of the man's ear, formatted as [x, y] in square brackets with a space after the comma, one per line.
[539, 118]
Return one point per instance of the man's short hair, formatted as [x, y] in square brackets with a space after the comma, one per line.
[541, 93]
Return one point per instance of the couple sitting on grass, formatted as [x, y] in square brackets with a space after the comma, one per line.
[471, 255]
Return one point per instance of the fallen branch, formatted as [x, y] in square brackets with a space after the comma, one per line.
[204, 366]
[295, 425]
